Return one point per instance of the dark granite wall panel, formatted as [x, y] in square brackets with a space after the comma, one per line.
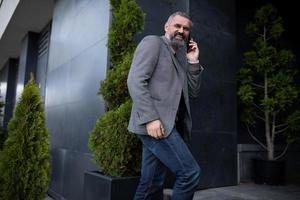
[77, 63]
[216, 158]
[214, 111]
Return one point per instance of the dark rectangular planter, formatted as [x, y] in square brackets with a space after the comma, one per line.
[269, 172]
[100, 187]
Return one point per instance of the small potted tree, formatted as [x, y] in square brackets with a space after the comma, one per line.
[115, 151]
[268, 93]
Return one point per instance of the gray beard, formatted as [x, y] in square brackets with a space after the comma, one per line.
[177, 43]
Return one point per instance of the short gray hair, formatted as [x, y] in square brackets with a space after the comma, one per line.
[182, 14]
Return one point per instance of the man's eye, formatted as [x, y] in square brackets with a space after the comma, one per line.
[177, 26]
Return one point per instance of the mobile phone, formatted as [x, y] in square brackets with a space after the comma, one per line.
[188, 47]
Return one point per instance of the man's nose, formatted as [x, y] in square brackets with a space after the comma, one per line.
[180, 30]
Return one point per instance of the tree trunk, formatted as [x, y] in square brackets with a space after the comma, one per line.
[269, 141]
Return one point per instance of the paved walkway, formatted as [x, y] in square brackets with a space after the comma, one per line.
[248, 191]
[244, 191]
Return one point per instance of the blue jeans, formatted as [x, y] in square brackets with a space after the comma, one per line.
[171, 152]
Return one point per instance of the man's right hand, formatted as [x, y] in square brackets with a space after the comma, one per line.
[155, 129]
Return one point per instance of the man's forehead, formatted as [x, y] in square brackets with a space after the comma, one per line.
[180, 19]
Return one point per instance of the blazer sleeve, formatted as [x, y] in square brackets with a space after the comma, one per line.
[194, 79]
[143, 64]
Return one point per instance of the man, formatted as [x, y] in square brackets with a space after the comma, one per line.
[160, 86]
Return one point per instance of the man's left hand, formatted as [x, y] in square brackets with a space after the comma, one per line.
[193, 54]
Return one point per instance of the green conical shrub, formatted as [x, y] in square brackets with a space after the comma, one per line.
[116, 151]
[25, 157]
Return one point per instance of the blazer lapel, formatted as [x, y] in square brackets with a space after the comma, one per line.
[176, 63]
[165, 40]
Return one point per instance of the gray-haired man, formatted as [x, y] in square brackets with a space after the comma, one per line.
[160, 86]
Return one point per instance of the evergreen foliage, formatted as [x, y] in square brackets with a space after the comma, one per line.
[127, 20]
[267, 90]
[114, 87]
[24, 163]
[116, 151]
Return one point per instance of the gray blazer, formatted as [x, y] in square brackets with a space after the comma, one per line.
[156, 81]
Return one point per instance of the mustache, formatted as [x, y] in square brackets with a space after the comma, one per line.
[178, 33]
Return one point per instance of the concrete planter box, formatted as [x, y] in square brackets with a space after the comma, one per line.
[100, 187]
[271, 172]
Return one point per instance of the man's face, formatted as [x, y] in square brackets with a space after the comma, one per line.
[178, 30]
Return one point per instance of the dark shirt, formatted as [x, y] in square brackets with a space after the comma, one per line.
[179, 122]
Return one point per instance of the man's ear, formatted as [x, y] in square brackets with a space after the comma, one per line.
[166, 27]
